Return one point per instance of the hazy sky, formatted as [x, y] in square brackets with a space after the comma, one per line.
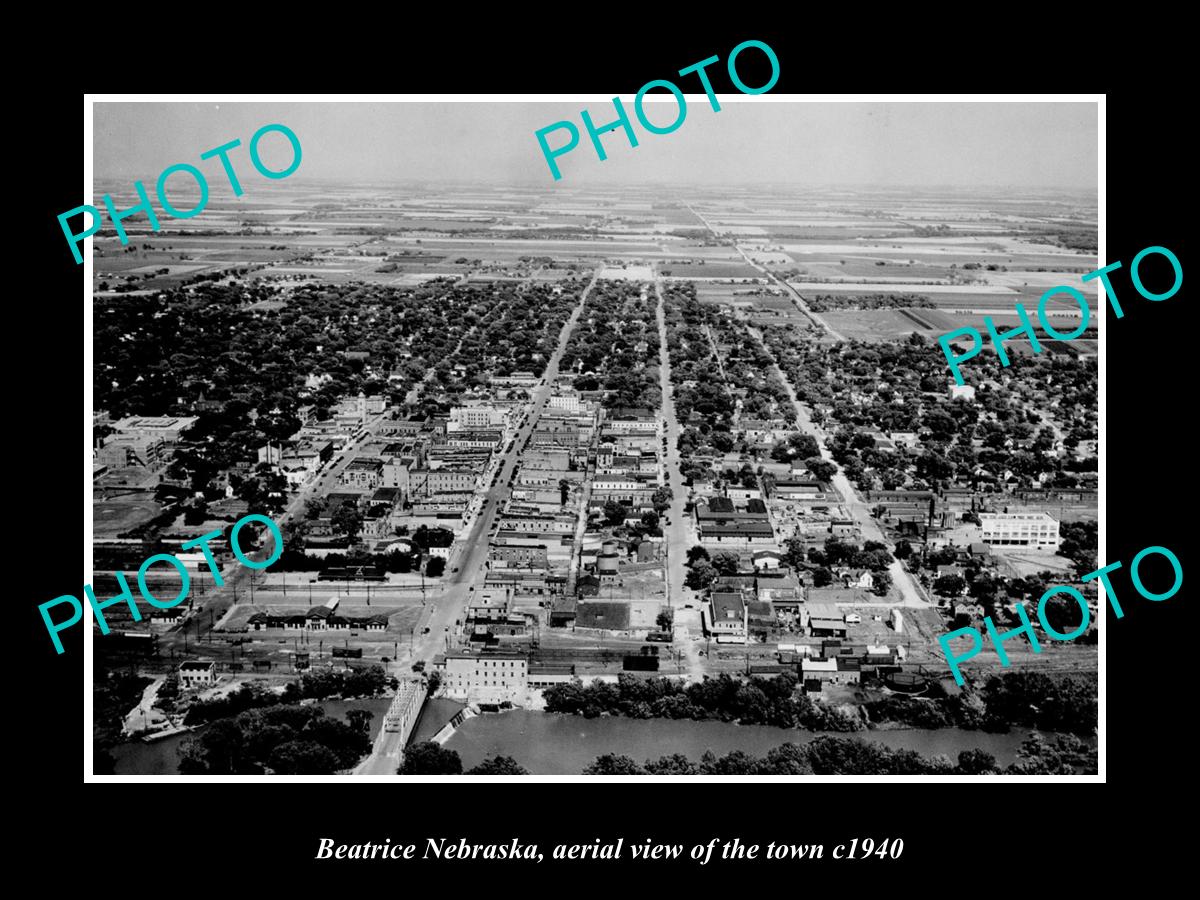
[888, 144]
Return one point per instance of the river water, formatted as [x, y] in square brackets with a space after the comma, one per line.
[162, 757]
[557, 744]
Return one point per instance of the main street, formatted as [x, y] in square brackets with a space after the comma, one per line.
[674, 532]
[674, 528]
[469, 556]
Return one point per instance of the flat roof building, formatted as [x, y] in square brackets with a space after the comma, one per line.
[1036, 530]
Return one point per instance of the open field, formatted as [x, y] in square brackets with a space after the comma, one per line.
[111, 517]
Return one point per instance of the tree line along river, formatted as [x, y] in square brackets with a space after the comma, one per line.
[560, 744]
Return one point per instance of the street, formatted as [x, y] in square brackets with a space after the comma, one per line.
[858, 510]
[470, 554]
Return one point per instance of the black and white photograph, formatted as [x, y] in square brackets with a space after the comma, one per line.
[533, 437]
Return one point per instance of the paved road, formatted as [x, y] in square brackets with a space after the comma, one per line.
[854, 504]
[674, 532]
[787, 288]
[216, 602]
[437, 627]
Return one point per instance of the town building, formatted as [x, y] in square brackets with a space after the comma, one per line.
[471, 675]
[728, 617]
[1037, 530]
[196, 673]
[364, 474]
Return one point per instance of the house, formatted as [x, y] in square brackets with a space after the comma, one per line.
[767, 559]
[857, 578]
[197, 672]
[780, 587]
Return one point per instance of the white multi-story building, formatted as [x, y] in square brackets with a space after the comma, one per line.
[482, 416]
[572, 403]
[197, 672]
[1036, 530]
[485, 675]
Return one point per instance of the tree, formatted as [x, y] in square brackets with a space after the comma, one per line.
[498, 765]
[695, 553]
[650, 520]
[614, 513]
[661, 498]
[950, 585]
[726, 562]
[820, 469]
[822, 577]
[976, 762]
[675, 764]
[736, 762]
[360, 719]
[786, 759]
[665, 618]
[883, 582]
[722, 441]
[564, 490]
[435, 567]
[347, 520]
[303, 758]
[428, 758]
[613, 764]
[903, 549]
[1063, 614]
[701, 575]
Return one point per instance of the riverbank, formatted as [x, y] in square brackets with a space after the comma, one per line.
[161, 757]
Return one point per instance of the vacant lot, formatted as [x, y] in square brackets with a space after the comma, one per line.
[111, 517]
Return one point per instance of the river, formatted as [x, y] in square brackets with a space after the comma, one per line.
[558, 744]
[162, 757]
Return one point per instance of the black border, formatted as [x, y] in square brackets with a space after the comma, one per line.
[1146, 449]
